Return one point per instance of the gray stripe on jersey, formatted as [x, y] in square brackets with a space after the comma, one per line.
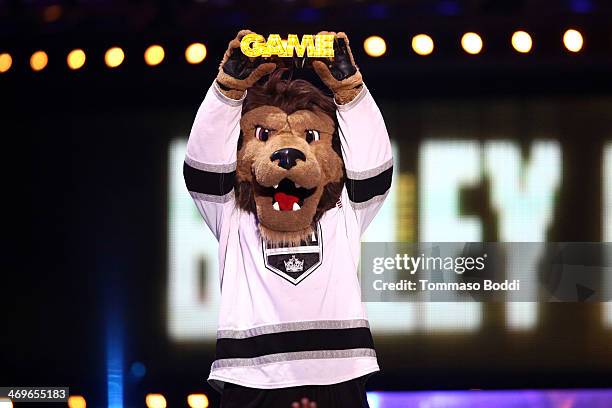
[213, 168]
[359, 97]
[293, 356]
[212, 198]
[375, 199]
[293, 326]
[224, 99]
[366, 174]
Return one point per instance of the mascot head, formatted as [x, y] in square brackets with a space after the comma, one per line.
[290, 169]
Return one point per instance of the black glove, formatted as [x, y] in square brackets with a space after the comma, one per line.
[340, 74]
[238, 72]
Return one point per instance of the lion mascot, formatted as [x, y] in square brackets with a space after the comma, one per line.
[288, 178]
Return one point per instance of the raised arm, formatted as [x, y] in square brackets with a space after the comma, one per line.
[210, 162]
[366, 148]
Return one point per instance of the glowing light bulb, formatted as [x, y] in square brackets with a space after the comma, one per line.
[197, 401]
[195, 53]
[471, 43]
[422, 44]
[76, 59]
[39, 60]
[154, 55]
[155, 401]
[375, 46]
[114, 57]
[522, 42]
[573, 40]
[76, 401]
[6, 61]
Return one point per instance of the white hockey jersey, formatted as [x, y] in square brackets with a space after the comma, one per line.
[289, 316]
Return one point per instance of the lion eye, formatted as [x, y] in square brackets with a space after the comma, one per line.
[262, 133]
[312, 135]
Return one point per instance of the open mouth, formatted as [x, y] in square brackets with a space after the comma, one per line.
[286, 195]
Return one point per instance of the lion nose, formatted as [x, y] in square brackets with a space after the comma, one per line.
[287, 157]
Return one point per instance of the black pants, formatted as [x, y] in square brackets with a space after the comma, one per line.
[348, 394]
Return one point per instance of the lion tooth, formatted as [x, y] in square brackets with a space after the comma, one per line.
[275, 186]
[296, 206]
[276, 206]
[297, 185]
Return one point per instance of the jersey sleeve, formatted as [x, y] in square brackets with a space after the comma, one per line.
[368, 159]
[210, 163]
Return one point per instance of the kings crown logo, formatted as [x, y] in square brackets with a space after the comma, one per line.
[294, 265]
[291, 263]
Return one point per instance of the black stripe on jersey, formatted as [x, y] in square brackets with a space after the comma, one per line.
[208, 182]
[293, 341]
[360, 191]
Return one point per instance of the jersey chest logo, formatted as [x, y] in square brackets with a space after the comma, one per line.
[295, 263]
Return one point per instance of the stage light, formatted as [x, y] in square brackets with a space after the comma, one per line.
[6, 403]
[155, 401]
[52, 13]
[573, 40]
[138, 369]
[521, 41]
[195, 53]
[6, 61]
[471, 43]
[76, 401]
[154, 55]
[422, 44]
[114, 57]
[39, 60]
[197, 401]
[76, 59]
[375, 46]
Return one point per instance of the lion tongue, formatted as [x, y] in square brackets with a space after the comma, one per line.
[285, 201]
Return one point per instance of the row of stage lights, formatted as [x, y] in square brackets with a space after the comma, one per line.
[472, 43]
[113, 57]
[374, 46]
[151, 401]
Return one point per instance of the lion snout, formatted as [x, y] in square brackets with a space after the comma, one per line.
[287, 157]
[306, 173]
